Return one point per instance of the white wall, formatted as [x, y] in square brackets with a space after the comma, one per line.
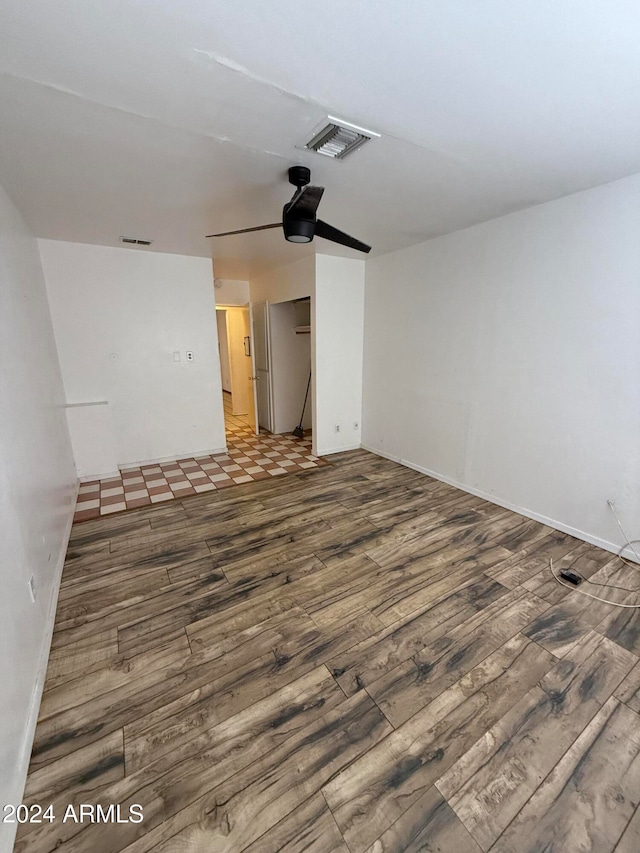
[292, 281]
[119, 315]
[92, 439]
[290, 362]
[505, 358]
[338, 317]
[37, 496]
[229, 292]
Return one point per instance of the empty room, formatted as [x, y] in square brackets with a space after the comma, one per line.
[320, 426]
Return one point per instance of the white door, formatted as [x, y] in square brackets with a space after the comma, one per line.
[261, 364]
[250, 371]
[223, 348]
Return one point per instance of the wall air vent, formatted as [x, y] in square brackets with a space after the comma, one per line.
[339, 138]
[135, 241]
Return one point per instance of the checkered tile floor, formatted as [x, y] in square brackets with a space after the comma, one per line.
[249, 457]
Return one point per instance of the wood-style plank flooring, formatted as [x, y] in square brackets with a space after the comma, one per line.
[358, 659]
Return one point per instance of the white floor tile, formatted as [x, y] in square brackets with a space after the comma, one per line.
[107, 510]
[109, 493]
[133, 496]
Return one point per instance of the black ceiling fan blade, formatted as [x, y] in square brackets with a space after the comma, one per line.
[305, 202]
[323, 229]
[246, 230]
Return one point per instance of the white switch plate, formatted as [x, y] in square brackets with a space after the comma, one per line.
[176, 356]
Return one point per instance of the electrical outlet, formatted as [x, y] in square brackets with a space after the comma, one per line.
[189, 355]
[337, 427]
[356, 425]
[32, 589]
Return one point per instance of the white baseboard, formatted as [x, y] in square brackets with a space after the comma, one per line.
[217, 451]
[38, 687]
[130, 466]
[527, 513]
[384, 455]
[340, 450]
[106, 476]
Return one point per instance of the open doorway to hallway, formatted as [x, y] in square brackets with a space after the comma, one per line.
[236, 369]
[265, 365]
[233, 424]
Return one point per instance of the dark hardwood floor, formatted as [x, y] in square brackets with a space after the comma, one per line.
[358, 659]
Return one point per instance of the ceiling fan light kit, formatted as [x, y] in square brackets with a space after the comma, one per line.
[298, 230]
[299, 221]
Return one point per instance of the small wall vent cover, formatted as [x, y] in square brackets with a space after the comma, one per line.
[135, 241]
[339, 138]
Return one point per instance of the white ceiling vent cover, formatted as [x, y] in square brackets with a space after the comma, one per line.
[339, 138]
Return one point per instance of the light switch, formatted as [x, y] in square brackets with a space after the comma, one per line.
[176, 356]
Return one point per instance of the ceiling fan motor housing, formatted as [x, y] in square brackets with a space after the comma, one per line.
[299, 176]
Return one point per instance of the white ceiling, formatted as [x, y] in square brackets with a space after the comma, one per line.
[168, 121]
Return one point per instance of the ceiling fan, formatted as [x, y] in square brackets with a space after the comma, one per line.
[299, 221]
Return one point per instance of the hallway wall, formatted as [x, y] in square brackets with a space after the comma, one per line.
[120, 317]
[338, 317]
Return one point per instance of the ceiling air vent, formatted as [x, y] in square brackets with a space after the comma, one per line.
[135, 241]
[339, 138]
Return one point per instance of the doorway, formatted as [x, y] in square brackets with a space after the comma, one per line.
[236, 369]
[290, 328]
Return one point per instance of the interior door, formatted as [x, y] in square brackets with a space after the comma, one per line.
[251, 391]
[261, 363]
